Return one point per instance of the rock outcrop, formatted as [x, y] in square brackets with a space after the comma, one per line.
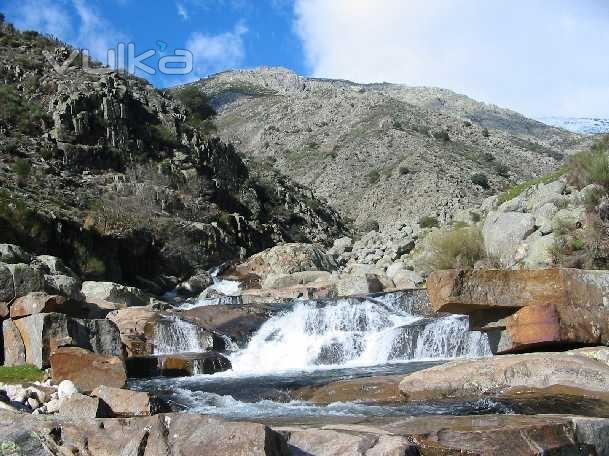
[527, 309]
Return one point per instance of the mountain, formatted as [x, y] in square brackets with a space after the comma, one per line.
[125, 182]
[382, 153]
[581, 125]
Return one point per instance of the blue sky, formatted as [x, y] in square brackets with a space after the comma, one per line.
[538, 57]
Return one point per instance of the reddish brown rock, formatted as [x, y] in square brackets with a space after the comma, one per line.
[87, 370]
[14, 349]
[377, 390]
[137, 328]
[187, 364]
[528, 308]
[36, 303]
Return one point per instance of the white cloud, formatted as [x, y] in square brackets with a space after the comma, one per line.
[182, 11]
[540, 57]
[95, 33]
[41, 15]
[213, 53]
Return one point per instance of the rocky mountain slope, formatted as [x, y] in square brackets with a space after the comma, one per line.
[382, 152]
[122, 180]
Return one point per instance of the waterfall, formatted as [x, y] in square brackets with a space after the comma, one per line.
[174, 335]
[350, 333]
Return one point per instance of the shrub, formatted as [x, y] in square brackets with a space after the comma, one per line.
[11, 148]
[373, 176]
[591, 167]
[481, 180]
[456, 248]
[22, 169]
[485, 132]
[369, 225]
[196, 102]
[467, 123]
[475, 216]
[488, 157]
[397, 125]
[428, 222]
[502, 170]
[442, 136]
[18, 113]
[403, 170]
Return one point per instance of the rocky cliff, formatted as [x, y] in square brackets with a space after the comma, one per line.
[123, 181]
[382, 152]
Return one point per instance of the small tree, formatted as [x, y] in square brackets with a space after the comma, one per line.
[374, 176]
[502, 170]
[442, 136]
[22, 169]
[481, 180]
[428, 222]
[485, 132]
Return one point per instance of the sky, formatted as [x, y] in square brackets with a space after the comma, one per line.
[538, 57]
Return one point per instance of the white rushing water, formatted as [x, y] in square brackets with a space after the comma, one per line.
[351, 333]
[227, 292]
[174, 335]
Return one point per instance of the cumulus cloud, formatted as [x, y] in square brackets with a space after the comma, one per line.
[41, 15]
[540, 57]
[213, 53]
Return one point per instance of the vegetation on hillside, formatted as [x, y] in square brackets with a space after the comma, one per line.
[20, 374]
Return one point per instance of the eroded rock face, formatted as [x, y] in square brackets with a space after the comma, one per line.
[87, 370]
[528, 308]
[490, 376]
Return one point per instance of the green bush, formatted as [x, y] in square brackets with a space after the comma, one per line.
[18, 113]
[502, 170]
[485, 132]
[369, 225]
[456, 248]
[11, 148]
[428, 222]
[481, 180]
[22, 169]
[403, 170]
[195, 101]
[591, 167]
[373, 176]
[442, 136]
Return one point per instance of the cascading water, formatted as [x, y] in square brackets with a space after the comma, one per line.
[351, 333]
[174, 335]
[227, 291]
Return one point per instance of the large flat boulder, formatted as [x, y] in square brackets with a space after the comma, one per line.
[137, 327]
[475, 378]
[113, 296]
[504, 231]
[87, 370]
[43, 333]
[528, 308]
[175, 434]
[125, 403]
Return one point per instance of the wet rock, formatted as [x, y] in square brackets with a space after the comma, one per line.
[78, 407]
[323, 278]
[285, 295]
[197, 283]
[36, 303]
[377, 390]
[14, 348]
[137, 327]
[12, 254]
[112, 296]
[531, 308]
[177, 365]
[496, 374]
[87, 370]
[126, 403]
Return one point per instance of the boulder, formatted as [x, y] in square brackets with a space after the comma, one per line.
[43, 333]
[160, 435]
[66, 388]
[283, 295]
[354, 284]
[64, 285]
[36, 303]
[372, 390]
[112, 296]
[197, 283]
[7, 290]
[406, 279]
[538, 253]
[79, 407]
[286, 259]
[53, 266]
[137, 327]
[4, 311]
[12, 254]
[504, 231]
[528, 308]
[126, 403]
[25, 279]
[341, 245]
[14, 348]
[494, 375]
[297, 278]
[87, 370]
[546, 193]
